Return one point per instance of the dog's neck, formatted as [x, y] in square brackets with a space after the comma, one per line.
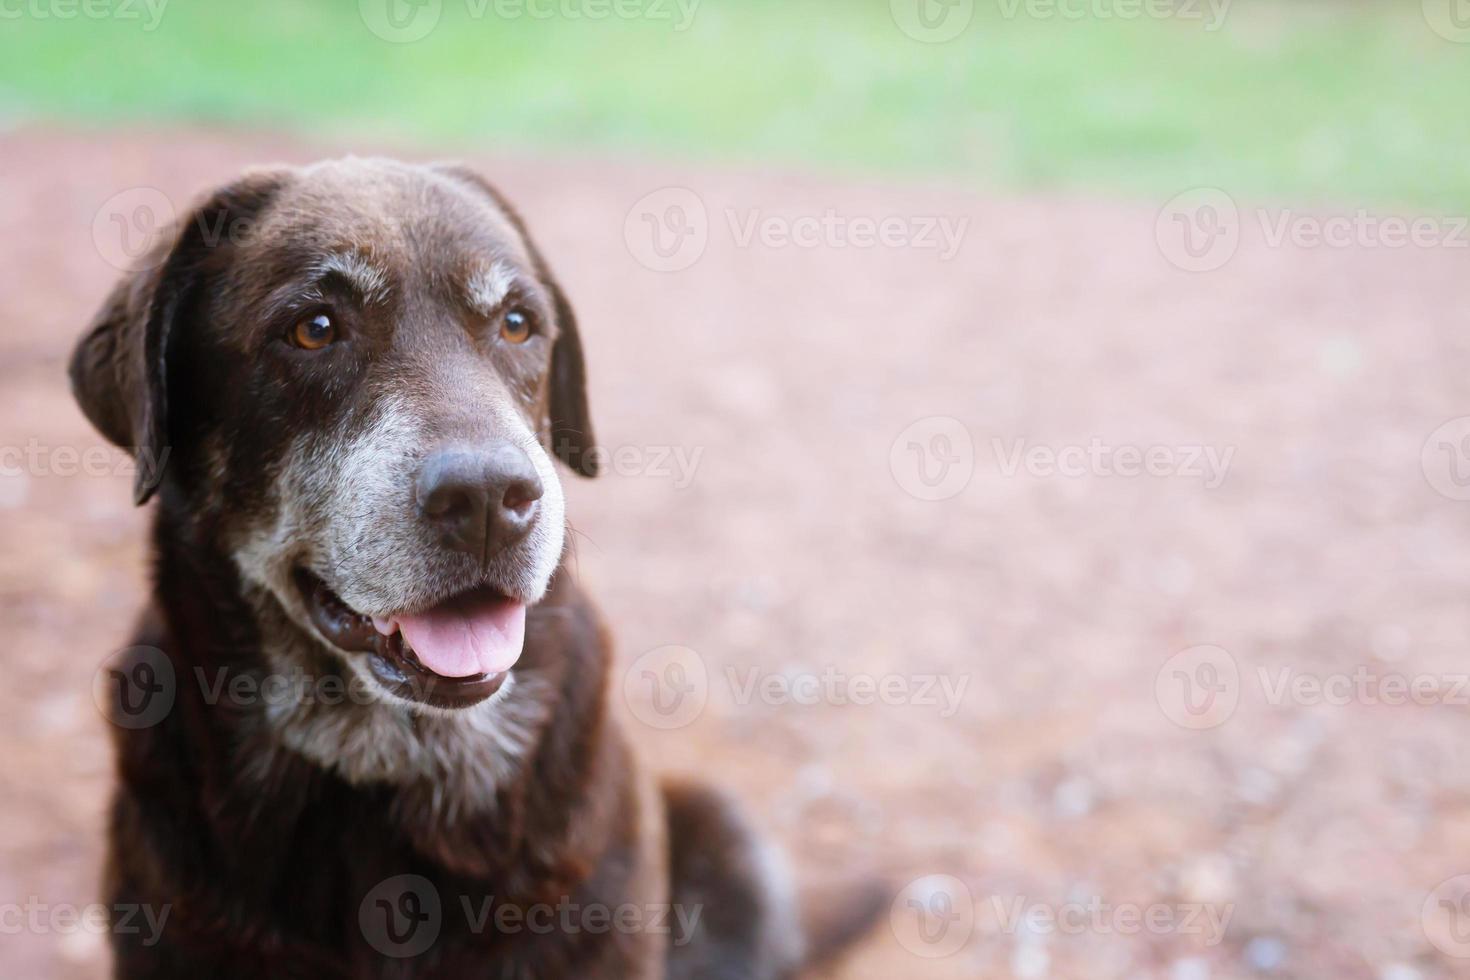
[459, 784]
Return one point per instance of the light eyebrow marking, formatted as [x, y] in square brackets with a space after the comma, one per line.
[369, 281]
[488, 286]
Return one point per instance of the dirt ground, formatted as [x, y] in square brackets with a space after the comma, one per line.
[1035, 748]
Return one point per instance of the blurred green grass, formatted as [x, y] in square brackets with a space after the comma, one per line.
[1318, 101]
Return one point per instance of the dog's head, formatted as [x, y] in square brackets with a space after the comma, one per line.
[360, 372]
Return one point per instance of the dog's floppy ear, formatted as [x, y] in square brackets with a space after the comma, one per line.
[119, 370]
[571, 419]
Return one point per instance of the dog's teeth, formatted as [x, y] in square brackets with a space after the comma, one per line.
[385, 626]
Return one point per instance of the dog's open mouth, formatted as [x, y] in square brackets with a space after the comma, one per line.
[451, 655]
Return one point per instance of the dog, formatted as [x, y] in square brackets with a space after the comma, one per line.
[360, 373]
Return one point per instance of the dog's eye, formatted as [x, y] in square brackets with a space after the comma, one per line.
[314, 332]
[516, 327]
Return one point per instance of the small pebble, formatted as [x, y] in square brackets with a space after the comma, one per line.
[1265, 953]
[1210, 879]
[1072, 798]
[1258, 786]
[1400, 971]
[1340, 357]
[1193, 968]
[15, 490]
[82, 946]
[1030, 962]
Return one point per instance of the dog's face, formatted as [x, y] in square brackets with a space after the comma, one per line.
[361, 371]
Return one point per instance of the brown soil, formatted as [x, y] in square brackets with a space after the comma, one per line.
[795, 549]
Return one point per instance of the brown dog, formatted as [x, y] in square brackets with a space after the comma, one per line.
[383, 748]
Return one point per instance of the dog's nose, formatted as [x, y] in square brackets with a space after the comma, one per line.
[480, 500]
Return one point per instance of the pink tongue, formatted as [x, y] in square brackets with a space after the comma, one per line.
[467, 636]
